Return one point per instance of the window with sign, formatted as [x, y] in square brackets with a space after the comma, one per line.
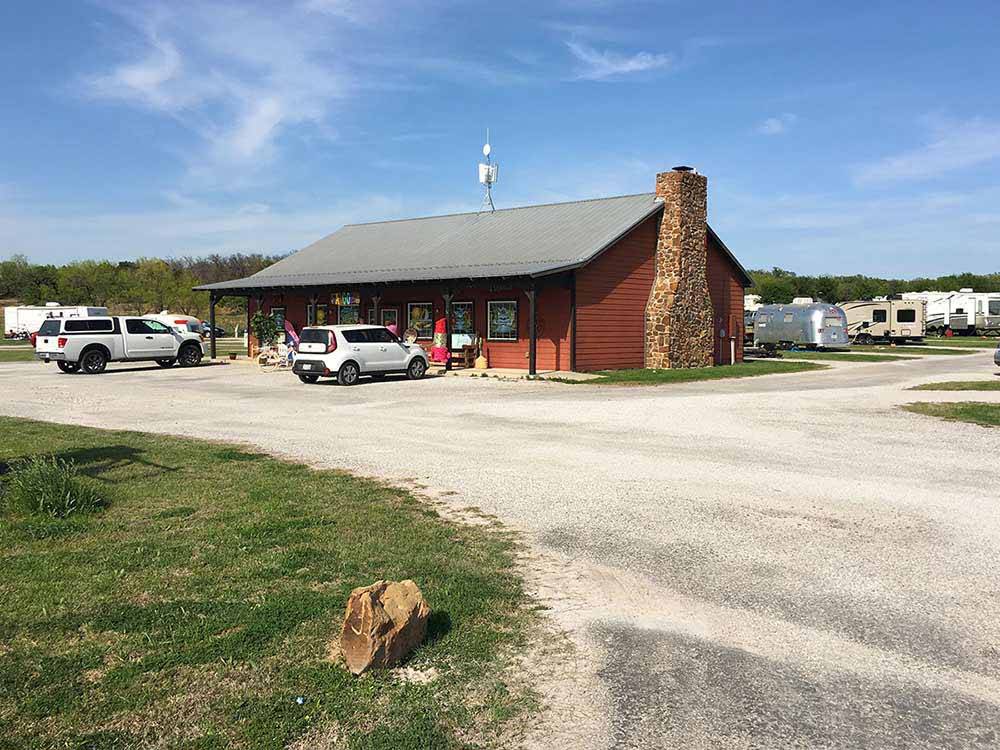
[278, 313]
[502, 315]
[420, 317]
[463, 332]
[348, 314]
[317, 315]
[390, 317]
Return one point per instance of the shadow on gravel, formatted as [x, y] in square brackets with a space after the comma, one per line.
[672, 690]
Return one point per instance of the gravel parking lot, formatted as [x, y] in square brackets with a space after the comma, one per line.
[787, 561]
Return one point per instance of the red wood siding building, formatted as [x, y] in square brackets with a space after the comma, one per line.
[582, 271]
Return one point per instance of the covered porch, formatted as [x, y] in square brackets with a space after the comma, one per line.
[523, 323]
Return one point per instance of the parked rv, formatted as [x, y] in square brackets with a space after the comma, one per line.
[965, 312]
[815, 326]
[893, 320]
[21, 321]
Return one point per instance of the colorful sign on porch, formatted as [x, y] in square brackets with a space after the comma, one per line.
[345, 299]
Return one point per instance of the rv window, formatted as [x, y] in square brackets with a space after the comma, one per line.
[960, 311]
[995, 307]
[906, 316]
[789, 317]
[879, 316]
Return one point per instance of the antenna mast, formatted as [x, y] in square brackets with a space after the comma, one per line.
[487, 176]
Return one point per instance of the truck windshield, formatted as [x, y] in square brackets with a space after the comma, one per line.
[49, 327]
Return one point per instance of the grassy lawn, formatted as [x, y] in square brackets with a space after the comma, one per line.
[960, 385]
[987, 415]
[911, 349]
[963, 342]
[13, 342]
[657, 377]
[17, 355]
[202, 603]
[842, 356]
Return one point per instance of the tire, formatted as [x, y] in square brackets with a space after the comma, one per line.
[310, 379]
[166, 362]
[68, 367]
[93, 361]
[348, 373]
[416, 369]
[189, 355]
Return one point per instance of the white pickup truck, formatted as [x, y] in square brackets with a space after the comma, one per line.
[88, 344]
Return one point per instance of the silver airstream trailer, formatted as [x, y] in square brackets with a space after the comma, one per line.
[815, 325]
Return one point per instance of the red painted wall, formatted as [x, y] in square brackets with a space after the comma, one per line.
[553, 346]
[726, 290]
[611, 296]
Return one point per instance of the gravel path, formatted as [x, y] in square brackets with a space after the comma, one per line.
[786, 561]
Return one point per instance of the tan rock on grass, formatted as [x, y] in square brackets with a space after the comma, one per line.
[382, 624]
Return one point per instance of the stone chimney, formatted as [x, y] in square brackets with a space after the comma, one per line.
[679, 317]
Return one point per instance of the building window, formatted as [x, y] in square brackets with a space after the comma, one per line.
[463, 332]
[420, 317]
[502, 320]
[317, 315]
[370, 316]
[879, 316]
[348, 314]
[390, 317]
[278, 313]
[906, 316]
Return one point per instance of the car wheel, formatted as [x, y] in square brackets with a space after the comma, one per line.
[189, 356]
[308, 378]
[348, 373]
[94, 362]
[166, 362]
[68, 366]
[417, 368]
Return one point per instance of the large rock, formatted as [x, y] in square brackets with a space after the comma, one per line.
[382, 624]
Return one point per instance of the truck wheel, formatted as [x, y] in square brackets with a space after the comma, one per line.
[166, 362]
[189, 355]
[417, 368]
[348, 374]
[93, 361]
[308, 378]
[68, 366]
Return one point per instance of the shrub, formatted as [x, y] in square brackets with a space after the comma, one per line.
[49, 486]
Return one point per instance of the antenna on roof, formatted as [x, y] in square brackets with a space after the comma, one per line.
[487, 176]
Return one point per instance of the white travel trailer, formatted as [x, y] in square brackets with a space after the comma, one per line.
[23, 320]
[964, 312]
[884, 319]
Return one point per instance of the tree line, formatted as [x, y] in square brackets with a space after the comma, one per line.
[780, 286]
[142, 286]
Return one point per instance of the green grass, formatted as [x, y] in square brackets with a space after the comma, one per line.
[199, 605]
[960, 385]
[987, 415]
[13, 342]
[910, 349]
[842, 356]
[963, 341]
[17, 355]
[658, 377]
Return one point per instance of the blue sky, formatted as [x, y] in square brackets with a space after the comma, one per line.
[836, 137]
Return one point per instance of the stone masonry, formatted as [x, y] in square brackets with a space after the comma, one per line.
[679, 316]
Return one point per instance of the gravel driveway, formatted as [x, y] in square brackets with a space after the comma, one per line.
[787, 561]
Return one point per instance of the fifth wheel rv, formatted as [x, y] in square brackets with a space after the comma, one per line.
[895, 320]
[964, 312]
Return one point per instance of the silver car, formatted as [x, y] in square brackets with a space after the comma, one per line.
[996, 356]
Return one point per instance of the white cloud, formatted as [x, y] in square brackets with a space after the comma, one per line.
[953, 145]
[237, 76]
[777, 125]
[600, 65]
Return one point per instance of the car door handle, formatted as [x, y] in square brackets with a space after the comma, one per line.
[381, 349]
[356, 348]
